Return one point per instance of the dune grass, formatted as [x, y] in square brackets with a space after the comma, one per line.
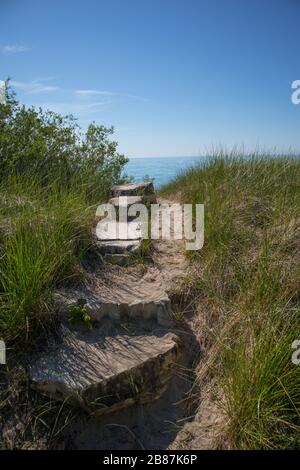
[52, 177]
[246, 280]
[44, 231]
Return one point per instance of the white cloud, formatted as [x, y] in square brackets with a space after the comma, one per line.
[34, 87]
[13, 49]
[90, 93]
[83, 103]
[78, 109]
[87, 92]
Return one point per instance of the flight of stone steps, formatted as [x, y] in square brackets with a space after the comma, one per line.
[129, 354]
[119, 251]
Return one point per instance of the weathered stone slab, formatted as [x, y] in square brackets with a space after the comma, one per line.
[119, 202]
[108, 367]
[128, 299]
[146, 190]
[125, 202]
[109, 230]
[119, 246]
[120, 259]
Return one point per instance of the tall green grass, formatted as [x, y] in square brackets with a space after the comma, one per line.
[246, 278]
[51, 175]
[44, 231]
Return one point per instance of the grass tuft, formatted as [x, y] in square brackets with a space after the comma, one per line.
[246, 278]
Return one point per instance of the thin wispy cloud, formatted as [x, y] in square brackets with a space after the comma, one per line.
[75, 108]
[34, 87]
[89, 92]
[40, 86]
[13, 49]
[83, 103]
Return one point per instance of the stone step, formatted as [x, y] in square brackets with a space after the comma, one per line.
[117, 297]
[126, 202]
[119, 246]
[110, 230]
[108, 367]
[120, 201]
[119, 259]
[146, 190]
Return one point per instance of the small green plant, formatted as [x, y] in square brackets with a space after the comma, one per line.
[132, 384]
[145, 247]
[79, 315]
[177, 314]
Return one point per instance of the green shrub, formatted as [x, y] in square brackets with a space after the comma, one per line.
[53, 148]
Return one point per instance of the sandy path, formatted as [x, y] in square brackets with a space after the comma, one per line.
[173, 421]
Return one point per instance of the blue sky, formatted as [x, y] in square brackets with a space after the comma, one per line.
[174, 77]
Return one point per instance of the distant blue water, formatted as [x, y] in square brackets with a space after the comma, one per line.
[162, 169]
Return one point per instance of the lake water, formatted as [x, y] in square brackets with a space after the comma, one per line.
[161, 169]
